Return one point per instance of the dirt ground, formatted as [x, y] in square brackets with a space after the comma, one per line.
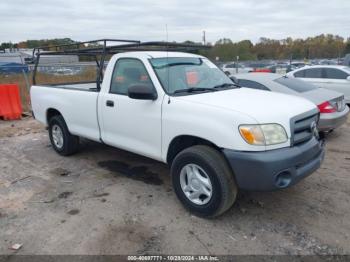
[107, 201]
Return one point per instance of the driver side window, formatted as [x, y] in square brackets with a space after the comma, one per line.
[128, 72]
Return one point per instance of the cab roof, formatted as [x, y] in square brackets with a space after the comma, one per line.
[161, 54]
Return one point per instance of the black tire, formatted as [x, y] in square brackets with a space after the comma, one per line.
[224, 189]
[70, 142]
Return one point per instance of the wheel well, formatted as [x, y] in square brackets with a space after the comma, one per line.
[51, 113]
[182, 142]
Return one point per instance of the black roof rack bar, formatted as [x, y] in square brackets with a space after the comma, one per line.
[119, 50]
[114, 51]
[157, 46]
[78, 52]
[142, 46]
[89, 42]
[78, 44]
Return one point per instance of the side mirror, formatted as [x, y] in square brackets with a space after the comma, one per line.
[234, 79]
[142, 92]
[348, 78]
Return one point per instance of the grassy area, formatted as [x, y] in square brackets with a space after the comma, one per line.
[88, 74]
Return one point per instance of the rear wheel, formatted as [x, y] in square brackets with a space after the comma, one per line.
[203, 181]
[61, 139]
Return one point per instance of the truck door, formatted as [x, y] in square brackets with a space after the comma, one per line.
[130, 124]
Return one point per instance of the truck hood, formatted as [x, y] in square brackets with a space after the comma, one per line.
[264, 107]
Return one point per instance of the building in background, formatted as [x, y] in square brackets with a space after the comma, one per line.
[15, 57]
[25, 56]
[58, 59]
[14, 61]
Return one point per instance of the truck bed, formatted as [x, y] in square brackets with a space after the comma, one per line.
[78, 108]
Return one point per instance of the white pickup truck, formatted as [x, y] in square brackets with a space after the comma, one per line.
[180, 109]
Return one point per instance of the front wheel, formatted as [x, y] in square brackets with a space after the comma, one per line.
[203, 181]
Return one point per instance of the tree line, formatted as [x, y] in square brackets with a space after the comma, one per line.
[37, 43]
[321, 46]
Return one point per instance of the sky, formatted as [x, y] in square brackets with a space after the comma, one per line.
[147, 20]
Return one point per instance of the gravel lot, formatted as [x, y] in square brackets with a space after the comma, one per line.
[107, 201]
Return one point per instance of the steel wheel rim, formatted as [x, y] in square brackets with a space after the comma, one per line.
[195, 184]
[57, 136]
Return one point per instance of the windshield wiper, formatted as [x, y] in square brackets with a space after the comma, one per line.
[204, 89]
[227, 85]
[194, 89]
[177, 64]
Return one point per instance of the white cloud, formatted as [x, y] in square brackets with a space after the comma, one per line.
[186, 19]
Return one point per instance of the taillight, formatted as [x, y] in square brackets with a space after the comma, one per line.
[326, 107]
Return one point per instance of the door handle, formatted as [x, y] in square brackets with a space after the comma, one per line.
[110, 103]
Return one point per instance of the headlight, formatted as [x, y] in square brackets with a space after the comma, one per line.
[267, 134]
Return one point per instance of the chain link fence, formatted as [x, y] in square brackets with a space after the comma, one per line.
[22, 75]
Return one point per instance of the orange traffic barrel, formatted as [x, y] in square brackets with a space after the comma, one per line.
[10, 102]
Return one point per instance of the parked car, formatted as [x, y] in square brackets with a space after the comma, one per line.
[261, 70]
[328, 62]
[281, 68]
[232, 68]
[331, 104]
[13, 68]
[332, 77]
[260, 66]
[298, 64]
[346, 60]
[182, 110]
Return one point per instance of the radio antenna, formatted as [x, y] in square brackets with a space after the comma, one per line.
[166, 31]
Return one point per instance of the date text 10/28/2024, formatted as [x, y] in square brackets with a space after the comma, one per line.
[173, 258]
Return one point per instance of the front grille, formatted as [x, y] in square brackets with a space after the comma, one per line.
[303, 128]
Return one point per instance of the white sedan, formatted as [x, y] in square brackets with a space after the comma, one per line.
[331, 77]
[331, 104]
[233, 68]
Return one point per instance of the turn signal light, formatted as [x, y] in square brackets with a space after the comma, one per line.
[252, 134]
[249, 137]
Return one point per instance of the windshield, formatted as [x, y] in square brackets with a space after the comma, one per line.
[295, 84]
[184, 74]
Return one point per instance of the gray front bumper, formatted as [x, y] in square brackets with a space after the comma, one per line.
[330, 121]
[275, 169]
